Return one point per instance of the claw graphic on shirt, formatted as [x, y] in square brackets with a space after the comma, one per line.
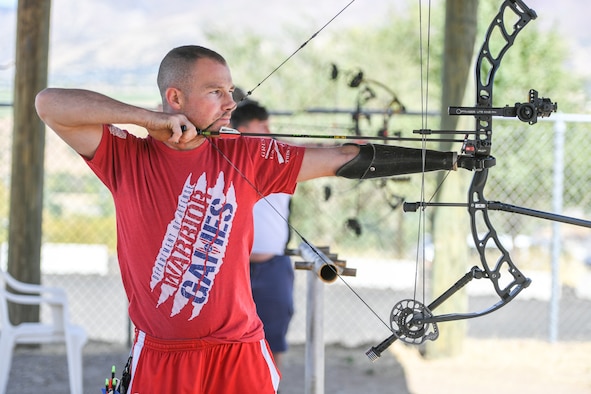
[195, 243]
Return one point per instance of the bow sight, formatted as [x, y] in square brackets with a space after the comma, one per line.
[476, 151]
[526, 112]
[529, 112]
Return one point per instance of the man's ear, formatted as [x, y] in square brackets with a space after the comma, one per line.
[174, 98]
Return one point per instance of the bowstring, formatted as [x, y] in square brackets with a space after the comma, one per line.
[420, 258]
[424, 81]
[424, 76]
[298, 49]
[264, 197]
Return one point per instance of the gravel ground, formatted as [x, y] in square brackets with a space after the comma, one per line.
[486, 366]
[347, 370]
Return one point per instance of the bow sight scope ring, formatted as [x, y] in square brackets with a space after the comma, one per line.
[541, 107]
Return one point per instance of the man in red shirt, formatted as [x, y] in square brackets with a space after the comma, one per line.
[184, 217]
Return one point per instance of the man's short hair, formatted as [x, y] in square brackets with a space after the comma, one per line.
[175, 68]
[246, 111]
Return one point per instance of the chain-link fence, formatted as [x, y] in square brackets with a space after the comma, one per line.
[364, 224]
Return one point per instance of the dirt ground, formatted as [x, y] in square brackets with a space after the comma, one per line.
[502, 366]
[485, 366]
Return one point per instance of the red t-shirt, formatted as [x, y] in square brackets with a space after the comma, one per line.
[184, 229]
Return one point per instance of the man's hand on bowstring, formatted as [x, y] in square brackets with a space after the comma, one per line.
[174, 129]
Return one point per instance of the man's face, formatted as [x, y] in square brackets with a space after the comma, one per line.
[207, 101]
[255, 126]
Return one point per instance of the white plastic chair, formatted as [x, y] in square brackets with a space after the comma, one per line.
[59, 330]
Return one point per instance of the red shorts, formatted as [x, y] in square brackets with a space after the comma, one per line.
[196, 366]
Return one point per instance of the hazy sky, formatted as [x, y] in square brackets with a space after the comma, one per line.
[8, 3]
[102, 33]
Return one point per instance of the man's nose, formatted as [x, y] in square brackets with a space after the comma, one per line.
[230, 104]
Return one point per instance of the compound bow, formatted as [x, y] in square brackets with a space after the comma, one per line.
[410, 320]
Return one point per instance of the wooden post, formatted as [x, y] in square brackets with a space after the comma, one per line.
[26, 188]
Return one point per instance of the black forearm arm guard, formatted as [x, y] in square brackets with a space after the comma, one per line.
[376, 161]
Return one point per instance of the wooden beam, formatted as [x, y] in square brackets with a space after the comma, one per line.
[26, 187]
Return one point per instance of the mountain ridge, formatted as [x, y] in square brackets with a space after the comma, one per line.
[123, 42]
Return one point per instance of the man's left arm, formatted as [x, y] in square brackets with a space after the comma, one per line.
[321, 162]
[372, 161]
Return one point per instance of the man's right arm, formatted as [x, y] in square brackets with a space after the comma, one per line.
[72, 115]
[78, 116]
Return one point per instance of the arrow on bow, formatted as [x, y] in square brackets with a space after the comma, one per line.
[230, 133]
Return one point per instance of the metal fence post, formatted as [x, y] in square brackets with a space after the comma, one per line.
[557, 196]
[314, 367]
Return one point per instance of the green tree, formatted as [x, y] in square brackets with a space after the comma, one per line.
[392, 54]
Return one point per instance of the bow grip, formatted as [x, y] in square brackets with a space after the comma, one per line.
[378, 161]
